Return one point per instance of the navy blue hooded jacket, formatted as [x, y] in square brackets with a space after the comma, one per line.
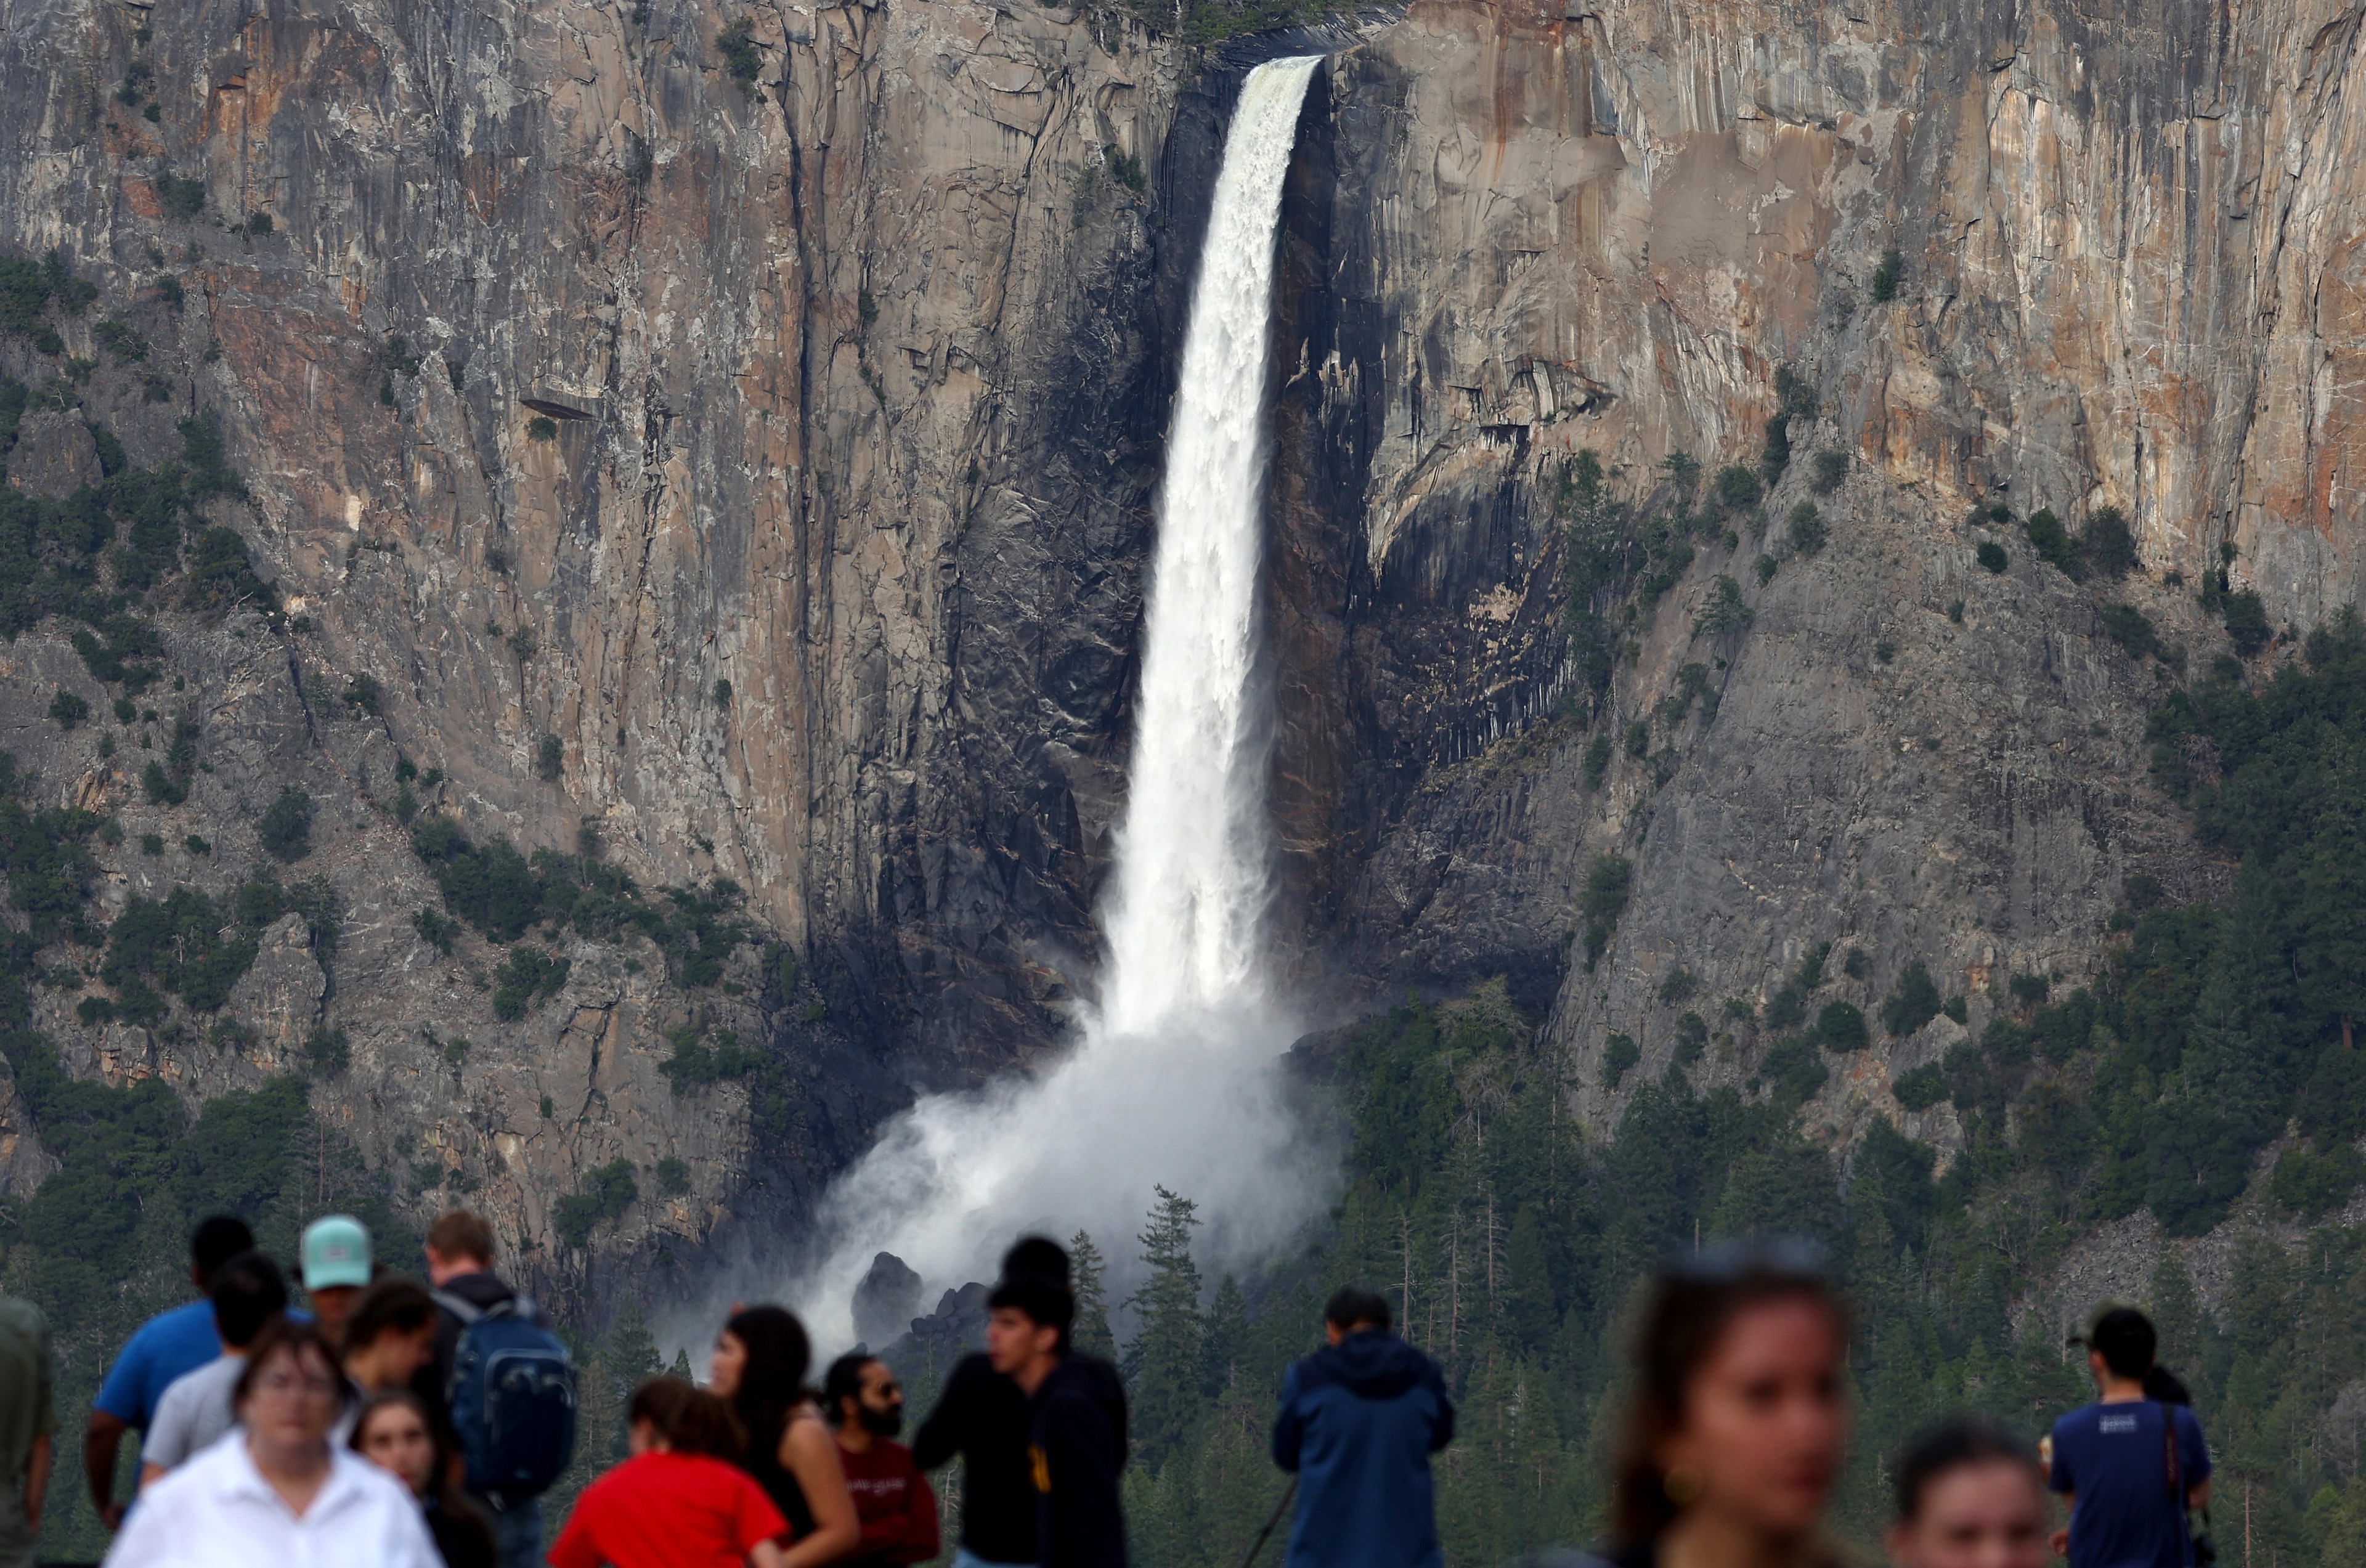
[1076, 1447]
[1357, 1424]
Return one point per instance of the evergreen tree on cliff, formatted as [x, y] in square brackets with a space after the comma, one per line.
[1164, 1363]
[1090, 1333]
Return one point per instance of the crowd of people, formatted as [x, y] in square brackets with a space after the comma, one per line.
[418, 1423]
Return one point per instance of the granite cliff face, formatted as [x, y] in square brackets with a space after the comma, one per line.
[773, 425]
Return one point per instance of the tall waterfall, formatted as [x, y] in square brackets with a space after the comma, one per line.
[1172, 1081]
[1185, 917]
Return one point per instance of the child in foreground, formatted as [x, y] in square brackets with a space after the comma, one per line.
[679, 1502]
[1969, 1497]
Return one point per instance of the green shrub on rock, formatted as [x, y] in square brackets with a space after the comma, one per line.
[1738, 488]
[285, 828]
[1618, 1054]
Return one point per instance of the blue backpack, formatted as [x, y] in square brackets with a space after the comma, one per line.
[512, 1399]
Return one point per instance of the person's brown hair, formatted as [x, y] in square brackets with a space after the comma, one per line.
[390, 1306]
[459, 1233]
[691, 1420]
[1953, 1446]
[1691, 1307]
[291, 1337]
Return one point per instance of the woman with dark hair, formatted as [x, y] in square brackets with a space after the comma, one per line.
[759, 1369]
[392, 1431]
[275, 1490]
[1968, 1497]
[1737, 1421]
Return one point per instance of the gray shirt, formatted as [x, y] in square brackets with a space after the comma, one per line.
[195, 1411]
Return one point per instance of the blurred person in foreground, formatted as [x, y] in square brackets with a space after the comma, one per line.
[496, 1356]
[391, 1430]
[335, 1257]
[892, 1501]
[1077, 1421]
[1969, 1496]
[2129, 1466]
[390, 1334]
[1737, 1421]
[680, 1502]
[1358, 1423]
[28, 1425]
[759, 1370]
[275, 1490]
[167, 1346]
[249, 1295]
[982, 1419]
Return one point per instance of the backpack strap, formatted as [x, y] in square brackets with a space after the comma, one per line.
[2168, 1455]
[468, 1311]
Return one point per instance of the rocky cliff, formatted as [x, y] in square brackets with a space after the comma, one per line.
[724, 439]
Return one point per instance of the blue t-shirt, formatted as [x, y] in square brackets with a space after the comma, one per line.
[2114, 1458]
[166, 1346]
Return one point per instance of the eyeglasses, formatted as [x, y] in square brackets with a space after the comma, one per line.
[280, 1385]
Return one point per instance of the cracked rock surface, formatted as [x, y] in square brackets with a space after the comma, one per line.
[781, 448]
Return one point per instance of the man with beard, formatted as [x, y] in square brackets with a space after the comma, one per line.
[892, 1502]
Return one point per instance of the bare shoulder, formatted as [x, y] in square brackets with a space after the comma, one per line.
[806, 1439]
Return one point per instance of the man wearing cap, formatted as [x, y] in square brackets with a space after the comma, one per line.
[2129, 1467]
[336, 1272]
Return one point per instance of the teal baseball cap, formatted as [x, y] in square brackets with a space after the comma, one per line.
[336, 1252]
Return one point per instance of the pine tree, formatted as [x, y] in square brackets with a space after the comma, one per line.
[630, 1353]
[1164, 1363]
[2333, 889]
[1527, 1291]
[2185, 1334]
[1087, 1269]
[1223, 1338]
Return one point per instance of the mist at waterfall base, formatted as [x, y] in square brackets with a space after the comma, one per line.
[1173, 1078]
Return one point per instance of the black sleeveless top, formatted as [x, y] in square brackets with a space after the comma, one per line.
[764, 1464]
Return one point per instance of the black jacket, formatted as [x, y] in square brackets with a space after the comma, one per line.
[434, 1384]
[1077, 1449]
[983, 1417]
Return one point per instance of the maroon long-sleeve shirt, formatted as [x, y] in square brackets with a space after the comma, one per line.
[892, 1504]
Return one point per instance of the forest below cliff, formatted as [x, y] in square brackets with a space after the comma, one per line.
[2209, 1075]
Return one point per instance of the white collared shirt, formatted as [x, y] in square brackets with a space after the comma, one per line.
[217, 1511]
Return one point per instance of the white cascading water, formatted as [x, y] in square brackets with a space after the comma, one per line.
[1172, 1081]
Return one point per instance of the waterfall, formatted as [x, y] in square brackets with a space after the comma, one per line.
[1185, 917]
[1172, 1080]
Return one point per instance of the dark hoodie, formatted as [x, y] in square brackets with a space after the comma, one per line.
[1357, 1424]
[984, 1419]
[1076, 1445]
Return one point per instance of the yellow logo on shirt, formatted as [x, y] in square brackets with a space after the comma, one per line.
[1042, 1464]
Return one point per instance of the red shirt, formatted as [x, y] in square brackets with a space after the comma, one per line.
[662, 1510]
[893, 1504]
